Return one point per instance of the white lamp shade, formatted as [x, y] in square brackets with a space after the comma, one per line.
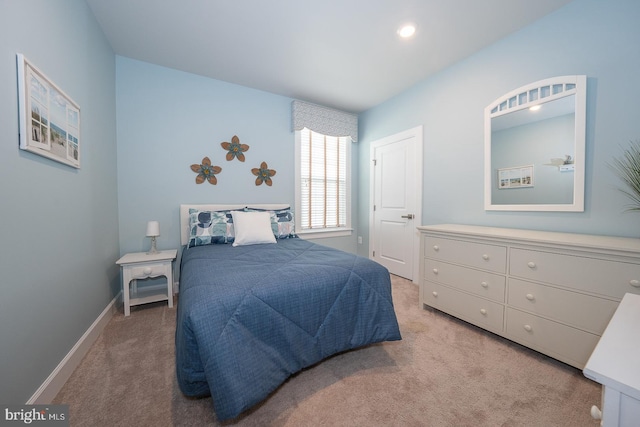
[153, 229]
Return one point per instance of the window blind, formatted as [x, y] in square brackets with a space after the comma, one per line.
[323, 173]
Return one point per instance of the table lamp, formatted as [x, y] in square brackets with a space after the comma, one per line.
[153, 231]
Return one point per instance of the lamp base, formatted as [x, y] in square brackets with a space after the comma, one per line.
[153, 249]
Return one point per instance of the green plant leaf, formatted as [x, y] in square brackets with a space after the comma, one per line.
[627, 168]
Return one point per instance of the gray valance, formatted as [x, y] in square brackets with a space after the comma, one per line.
[324, 120]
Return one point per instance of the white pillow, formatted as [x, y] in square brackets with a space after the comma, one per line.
[252, 228]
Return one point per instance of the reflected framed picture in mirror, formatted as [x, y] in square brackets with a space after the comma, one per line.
[516, 177]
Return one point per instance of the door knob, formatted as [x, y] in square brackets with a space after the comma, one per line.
[410, 216]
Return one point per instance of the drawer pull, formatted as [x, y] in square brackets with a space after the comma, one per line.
[596, 413]
[531, 264]
[435, 294]
[436, 248]
[435, 271]
[635, 283]
[147, 270]
[483, 311]
[485, 257]
[528, 328]
[530, 297]
[484, 285]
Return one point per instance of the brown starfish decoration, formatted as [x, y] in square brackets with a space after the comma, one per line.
[206, 172]
[263, 174]
[235, 149]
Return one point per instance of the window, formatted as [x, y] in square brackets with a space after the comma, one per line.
[323, 184]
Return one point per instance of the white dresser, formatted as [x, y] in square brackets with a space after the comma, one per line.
[614, 364]
[552, 292]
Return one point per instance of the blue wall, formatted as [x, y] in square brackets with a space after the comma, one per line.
[168, 120]
[58, 224]
[592, 37]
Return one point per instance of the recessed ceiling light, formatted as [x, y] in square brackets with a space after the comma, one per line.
[534, 108]
[406, 30]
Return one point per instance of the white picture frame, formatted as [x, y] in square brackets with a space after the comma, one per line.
[49, 118]
[515, 177]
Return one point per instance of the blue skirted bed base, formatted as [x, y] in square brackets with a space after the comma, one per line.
[251, 316]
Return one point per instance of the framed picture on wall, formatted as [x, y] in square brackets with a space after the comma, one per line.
[49, 118]
[516, 177]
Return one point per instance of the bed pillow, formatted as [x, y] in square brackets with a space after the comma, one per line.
[210, 227]
[282, 222]
[252, 228]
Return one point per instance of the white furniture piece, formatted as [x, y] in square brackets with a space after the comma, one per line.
[552, 292]
[614, 364]
[142, 265]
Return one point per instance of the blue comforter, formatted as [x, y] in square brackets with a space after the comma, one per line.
[251, 316]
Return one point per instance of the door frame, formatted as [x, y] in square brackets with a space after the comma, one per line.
[416, 132]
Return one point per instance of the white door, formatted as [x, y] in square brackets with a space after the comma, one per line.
[396, 202]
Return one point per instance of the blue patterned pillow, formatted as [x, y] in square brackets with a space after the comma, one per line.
[282, 222]
[210, 227]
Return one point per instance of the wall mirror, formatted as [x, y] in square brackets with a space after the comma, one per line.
[535, 147]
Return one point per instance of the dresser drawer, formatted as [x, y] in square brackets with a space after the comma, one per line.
[562, 342]
[610, 278]
[582, 311]
[479, 311]
[479, 282]
[479, 255]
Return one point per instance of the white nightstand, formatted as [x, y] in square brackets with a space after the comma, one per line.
[141, 265]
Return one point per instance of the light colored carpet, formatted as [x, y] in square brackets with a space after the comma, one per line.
[443, 373]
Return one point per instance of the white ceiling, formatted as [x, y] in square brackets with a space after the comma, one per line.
[339, 53]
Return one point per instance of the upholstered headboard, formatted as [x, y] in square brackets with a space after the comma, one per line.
[184, 213]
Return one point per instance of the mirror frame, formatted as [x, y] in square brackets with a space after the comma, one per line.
[547, 90]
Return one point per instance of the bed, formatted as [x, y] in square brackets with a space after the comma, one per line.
[252, 313]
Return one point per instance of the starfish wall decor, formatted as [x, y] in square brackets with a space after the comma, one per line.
[206, 172]
[263, 174]
[235, 149]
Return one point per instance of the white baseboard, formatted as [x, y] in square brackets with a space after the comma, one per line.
[53, 384]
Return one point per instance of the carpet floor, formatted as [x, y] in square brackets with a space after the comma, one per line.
[444, 372]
